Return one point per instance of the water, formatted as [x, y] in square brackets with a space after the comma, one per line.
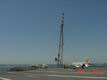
[7, 67]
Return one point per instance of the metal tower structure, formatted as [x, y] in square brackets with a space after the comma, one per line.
[59, 58]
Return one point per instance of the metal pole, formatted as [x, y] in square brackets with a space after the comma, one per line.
[62, 38]
[61, 43]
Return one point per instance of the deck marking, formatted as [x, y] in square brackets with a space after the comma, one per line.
[11, 72]
[78, 76]
[4, 78]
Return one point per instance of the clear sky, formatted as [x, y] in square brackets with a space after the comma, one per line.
[29, 30]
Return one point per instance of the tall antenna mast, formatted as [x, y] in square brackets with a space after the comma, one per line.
[62, 37]
[59, 58]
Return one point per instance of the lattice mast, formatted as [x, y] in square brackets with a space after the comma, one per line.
[61, 42]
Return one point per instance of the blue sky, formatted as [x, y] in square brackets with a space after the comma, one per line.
[29, 30]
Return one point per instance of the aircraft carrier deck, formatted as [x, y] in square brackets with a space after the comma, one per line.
[56, 74]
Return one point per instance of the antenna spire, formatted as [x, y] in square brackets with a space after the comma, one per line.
[59, 58]
[62, 38]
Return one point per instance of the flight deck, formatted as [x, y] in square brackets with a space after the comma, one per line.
[56, 74]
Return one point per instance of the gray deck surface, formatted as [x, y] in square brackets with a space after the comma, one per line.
[56, 74]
